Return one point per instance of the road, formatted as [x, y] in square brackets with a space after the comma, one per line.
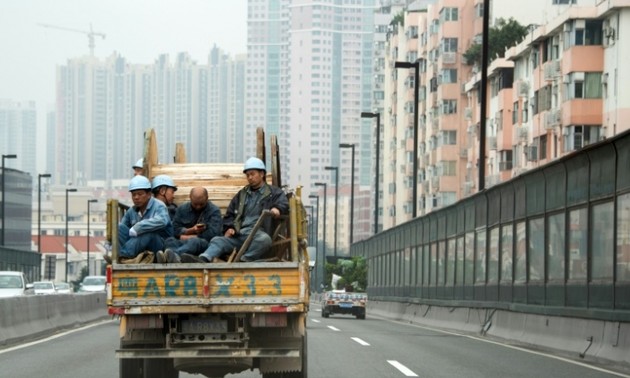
[339, 346]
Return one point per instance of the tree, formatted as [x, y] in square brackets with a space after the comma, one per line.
[504, 34]
[353, 274]
[398, 19]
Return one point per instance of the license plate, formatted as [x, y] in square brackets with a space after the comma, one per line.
[345, 305]
[204, 326]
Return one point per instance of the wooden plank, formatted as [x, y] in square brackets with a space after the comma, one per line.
[260, 144]
[180, 153]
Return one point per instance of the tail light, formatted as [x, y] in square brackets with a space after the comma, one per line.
[108, 282]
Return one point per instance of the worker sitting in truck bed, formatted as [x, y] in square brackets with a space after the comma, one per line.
[196, 222]
[145, 225]
[242, 214]
[164, 189]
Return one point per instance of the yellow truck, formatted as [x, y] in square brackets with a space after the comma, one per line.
[213, 319]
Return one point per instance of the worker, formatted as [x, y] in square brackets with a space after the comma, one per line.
[138, 168]
[243, 212]
[164, 189]
[196, 222]
[145, 225]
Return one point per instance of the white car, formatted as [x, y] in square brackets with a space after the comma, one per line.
[63, 288]
[13, 284]
[92, 284]
[44, 288]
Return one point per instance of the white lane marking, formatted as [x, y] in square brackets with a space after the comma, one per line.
[364, 343]
[596, 368]
[22, 346]
[403, 369]
[334, 328]
[315, 320]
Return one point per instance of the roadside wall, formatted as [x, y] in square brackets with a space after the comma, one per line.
[594, 341]
[29, 317]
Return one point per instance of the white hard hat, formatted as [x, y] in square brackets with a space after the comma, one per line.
[254, 163]
[162, 180]
[139, 182]
[139, 164]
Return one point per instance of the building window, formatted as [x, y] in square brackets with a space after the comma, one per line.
[583, 33]
[542, 151]
[479, 10]
[515, 113]
[447, 137]
[447, 168]
[585, 85]
[449, 14]
[449, 106]
[449, 45]
[448, 76]
[505, 160]
[576, 137]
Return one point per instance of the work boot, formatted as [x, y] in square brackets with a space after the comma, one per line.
[132, 260]
[188, 258]
[108, 259]
[147, 258]
[171, 256]
[160, 257]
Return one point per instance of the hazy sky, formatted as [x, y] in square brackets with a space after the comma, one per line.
[139, 30]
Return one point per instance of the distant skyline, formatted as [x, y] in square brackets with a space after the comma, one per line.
[140, 30]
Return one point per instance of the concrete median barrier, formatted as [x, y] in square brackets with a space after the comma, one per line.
[30, 317]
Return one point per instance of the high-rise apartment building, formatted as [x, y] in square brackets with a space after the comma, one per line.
[537, 108]
[18, 134]
[104, 107]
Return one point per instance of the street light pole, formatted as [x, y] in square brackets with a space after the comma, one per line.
[416, 66]
[318, 262]
[39, 210]
[351, 145]
[88, 234]
[4, 199]
[378, 163]
[323, 184]
[68, 190]
[336, 169]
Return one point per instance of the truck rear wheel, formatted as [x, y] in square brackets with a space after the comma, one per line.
[295, 374]
[159, 368]
[131, 368]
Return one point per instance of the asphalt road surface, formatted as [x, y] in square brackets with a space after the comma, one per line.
[339, 346]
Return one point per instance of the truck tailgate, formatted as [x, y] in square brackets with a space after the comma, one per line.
[153, 288]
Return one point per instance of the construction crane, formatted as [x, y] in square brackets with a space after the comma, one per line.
[91, 34]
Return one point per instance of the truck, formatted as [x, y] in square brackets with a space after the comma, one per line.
[213, 319]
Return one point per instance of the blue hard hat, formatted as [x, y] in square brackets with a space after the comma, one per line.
[139, 164]
[161, 180]
[254, 163]
[139, 182]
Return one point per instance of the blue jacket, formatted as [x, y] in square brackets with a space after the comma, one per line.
[186, 217]
[155, 219]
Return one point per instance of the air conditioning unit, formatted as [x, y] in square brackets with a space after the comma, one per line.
[523, 132]
[468, 113]
[552, 119]
[532, 153]
[605, 78]
[566, 79]
[523, 88]
[449, 58]
[552, 70]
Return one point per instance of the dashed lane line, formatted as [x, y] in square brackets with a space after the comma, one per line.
[364, 343]
[403, 369]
